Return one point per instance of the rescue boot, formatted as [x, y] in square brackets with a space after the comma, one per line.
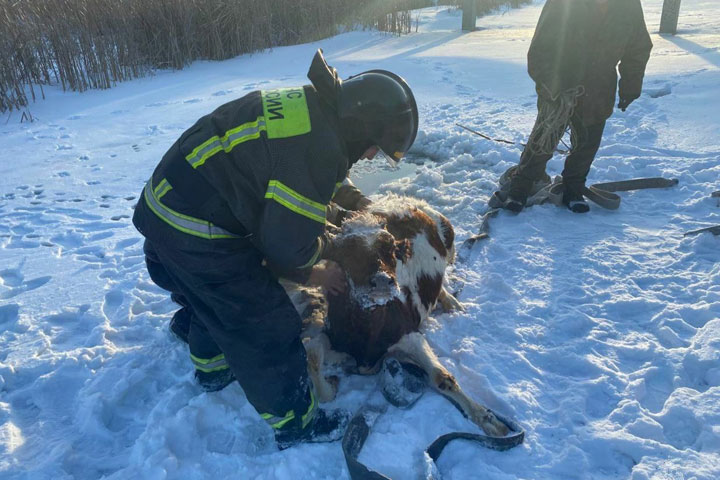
[515, 189]
[501, 199]
[214, 381]
[574, 200]
[326, 426]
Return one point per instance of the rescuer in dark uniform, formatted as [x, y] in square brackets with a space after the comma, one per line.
[239, 200]
[578, 49]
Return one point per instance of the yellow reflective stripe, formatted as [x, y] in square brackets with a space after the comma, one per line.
[243, 133]
[205, 361]
[310, 414]
[277, 422]
[207, 365]
[160, 186]
[337, 187]
[166, 187]
[184, 223]
[292, 200]
[313, 260]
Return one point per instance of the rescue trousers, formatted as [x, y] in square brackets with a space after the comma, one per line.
[586, 142]
[241, 319]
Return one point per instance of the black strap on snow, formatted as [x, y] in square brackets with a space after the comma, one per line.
[353, 440]
[715, 230]
[402, 389]
[359, 427]
[495, 443]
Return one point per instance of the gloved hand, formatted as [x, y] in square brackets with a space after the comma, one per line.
[330, 277]
[624, 103]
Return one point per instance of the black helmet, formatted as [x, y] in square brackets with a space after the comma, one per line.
[377, 107]
[374, 108]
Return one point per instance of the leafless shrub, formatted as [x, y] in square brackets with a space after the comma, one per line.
[82, 44]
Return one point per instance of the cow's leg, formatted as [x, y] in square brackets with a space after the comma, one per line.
[449, 302]
[414, 348]
[316, 348]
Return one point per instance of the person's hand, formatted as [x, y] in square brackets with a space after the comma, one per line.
[330, 276]
[624, 103]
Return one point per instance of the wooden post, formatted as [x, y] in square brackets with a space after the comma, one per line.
[469, 15]
[669, 18]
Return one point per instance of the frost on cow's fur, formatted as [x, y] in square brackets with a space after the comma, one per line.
[425, 260]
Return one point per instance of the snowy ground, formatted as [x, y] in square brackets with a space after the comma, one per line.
[599, 333]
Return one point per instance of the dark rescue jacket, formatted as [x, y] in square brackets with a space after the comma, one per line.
[578, 43]
[261, 168]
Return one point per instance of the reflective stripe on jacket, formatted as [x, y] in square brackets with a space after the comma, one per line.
[272, 159]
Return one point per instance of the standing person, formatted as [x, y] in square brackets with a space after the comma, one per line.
[240, 199]
[575, 54]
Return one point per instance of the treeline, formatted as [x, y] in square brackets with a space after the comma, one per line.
[82, 44]
[487, 6]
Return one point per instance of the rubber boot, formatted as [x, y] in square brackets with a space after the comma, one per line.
[574, 200]
[326, 426]
[214, 381]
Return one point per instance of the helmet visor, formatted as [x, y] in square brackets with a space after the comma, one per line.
[399, 135]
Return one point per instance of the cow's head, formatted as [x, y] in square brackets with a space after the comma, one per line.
[395, 257]
[368, 254]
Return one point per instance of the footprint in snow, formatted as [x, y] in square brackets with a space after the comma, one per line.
[12, 277]
[20, 243]
[157, 104]
[658, 383]
[101, 236]
[111, 305]
[680, 427]
[9, 314]
[26, 286]
[128, 242]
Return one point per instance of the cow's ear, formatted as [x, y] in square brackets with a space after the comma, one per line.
[403, 250]
[448, 232]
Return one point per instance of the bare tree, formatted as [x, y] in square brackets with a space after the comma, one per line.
[670, 15]
[469, 15]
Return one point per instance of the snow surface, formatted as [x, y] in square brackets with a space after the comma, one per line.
[599, 333]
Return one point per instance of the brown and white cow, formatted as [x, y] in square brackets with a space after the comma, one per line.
[394, 255]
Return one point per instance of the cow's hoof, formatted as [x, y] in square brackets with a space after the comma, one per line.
[327, 390]
[492, 426]
[452, 304]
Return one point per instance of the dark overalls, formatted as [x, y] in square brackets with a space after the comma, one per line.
[583, 43]
[239, 199]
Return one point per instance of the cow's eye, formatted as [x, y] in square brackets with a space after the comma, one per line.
[434, 257]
